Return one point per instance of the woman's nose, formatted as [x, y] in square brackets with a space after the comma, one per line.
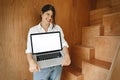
[50, 17]
[50, 20]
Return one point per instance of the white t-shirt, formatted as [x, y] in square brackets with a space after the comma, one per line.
[38, 29]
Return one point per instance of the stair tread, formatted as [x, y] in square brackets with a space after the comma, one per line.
[74, 70]
[100, 63]
[99, 10]
[94, 25]
[111, 14]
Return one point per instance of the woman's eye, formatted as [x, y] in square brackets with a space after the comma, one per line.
[48, 14]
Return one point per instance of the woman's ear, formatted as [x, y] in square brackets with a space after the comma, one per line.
[41, 13]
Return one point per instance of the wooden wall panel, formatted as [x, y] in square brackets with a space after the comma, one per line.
[17, 16]
[93, 4]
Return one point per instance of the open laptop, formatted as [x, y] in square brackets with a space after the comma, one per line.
[47, 48]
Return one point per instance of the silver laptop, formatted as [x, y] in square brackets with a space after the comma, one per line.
[47, 48]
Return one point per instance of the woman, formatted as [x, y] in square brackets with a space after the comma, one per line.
[47, 24]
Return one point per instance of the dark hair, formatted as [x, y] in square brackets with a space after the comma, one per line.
[50, 7]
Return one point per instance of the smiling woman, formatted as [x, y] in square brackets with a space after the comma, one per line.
[47, 24]
[17, 16]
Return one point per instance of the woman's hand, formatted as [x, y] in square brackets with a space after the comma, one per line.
[66, 59]
[33, 66]
[66, 62]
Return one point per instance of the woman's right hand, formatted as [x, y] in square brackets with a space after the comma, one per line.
[34, 67]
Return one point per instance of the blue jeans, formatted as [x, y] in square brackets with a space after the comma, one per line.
[51, 73]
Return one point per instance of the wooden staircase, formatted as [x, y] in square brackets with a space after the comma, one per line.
[92, 59]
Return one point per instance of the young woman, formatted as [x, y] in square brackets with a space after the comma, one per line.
[47, 24]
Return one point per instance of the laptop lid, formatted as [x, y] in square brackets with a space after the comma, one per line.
[46, 42]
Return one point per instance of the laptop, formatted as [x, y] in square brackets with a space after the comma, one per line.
[47, 48]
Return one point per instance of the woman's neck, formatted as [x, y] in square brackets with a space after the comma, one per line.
[44, 26]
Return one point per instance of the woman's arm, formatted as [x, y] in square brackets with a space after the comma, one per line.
[66, 60]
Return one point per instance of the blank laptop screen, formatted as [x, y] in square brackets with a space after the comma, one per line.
[46, 42]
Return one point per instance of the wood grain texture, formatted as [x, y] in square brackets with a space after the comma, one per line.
[111, 24]
[114, 72]
[102, 3]
[89, 33]
[96, 16]
[81, 53]
[105, 47]
[17, 16]
[93, 72]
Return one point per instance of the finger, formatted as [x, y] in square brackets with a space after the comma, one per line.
[38, 68]
[31, 70]
[62, 64]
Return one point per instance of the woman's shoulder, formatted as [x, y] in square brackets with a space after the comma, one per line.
[34, 27]
[57, 26]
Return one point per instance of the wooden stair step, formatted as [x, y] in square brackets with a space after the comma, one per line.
[105, 47]
[89, 33]
[97, 15]
[72, 73]
[95, 69]
[80, 53]
[111, 24]
[100, 63]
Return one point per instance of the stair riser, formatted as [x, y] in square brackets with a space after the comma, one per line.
[81, 53]
[89, 34]
[97, 15]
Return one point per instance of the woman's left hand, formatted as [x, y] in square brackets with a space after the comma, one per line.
[66, 59]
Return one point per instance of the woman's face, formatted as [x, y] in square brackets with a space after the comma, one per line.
[47, 17]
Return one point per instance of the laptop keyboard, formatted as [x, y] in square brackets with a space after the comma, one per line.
[49, 56]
